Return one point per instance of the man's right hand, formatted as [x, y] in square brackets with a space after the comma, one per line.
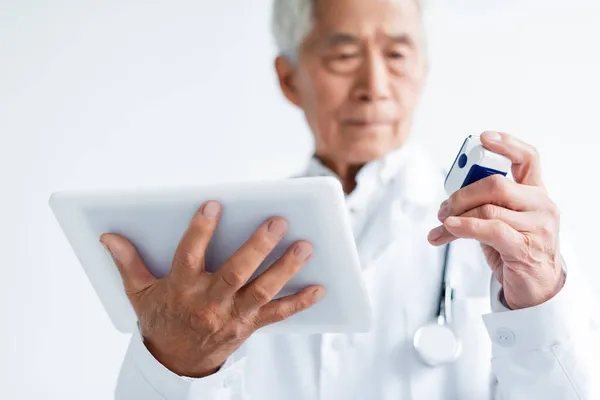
[193, 320]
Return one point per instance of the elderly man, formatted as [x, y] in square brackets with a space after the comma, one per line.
[356, 69]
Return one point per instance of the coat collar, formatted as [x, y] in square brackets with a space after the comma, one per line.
[420, 179]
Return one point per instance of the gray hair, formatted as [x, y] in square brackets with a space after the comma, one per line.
[292, 21]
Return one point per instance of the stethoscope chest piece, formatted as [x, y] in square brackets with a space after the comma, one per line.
[437, 344]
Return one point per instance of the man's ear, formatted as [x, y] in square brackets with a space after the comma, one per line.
[285, 74]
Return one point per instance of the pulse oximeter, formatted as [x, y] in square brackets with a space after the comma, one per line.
[474, 162]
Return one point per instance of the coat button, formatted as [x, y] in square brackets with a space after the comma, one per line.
[504, 337]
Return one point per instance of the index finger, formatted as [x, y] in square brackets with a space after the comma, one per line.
[494, 189]
[526, 166]
[191, 250]
[238, 269]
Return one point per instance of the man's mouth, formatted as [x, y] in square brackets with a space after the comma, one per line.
[368, 122]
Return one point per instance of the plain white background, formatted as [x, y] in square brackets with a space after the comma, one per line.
[122, 93]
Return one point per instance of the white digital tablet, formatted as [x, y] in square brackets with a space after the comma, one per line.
[154, 219]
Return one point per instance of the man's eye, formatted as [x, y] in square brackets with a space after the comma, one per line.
[345, 56]
[343, 62]
[396, 55]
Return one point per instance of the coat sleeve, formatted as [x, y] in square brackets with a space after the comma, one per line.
[551, 351]
[143, 377]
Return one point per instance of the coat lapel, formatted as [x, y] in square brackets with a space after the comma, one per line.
[413, 188]
[410, 200]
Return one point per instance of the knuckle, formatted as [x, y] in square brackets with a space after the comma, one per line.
[302, 304]
[472, 224]
[457, 198]
[185, 258]
[205, 320]
[233, 277]
[489, 211]
[261, 245]
[260, 294]
[548, 227]
[281, 313]
[295, 307]
[234, 332]
[497, 184]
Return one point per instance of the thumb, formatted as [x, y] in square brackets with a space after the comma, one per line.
[134, 273]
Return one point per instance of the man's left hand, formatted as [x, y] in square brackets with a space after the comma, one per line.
[515, 221]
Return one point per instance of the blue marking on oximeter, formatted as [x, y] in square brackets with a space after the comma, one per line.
[456, 159]
[462, 161]
[478, 172]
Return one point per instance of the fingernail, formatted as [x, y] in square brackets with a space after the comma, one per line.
[278, 227]
[444, 211]
[211, 209]
[436, 233]
[303, 251]
[452, 222]
[318, 294]
[492, 136]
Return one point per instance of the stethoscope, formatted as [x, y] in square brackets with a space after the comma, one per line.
[436, 342]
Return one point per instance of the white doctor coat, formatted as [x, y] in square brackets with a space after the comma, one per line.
[546, 352]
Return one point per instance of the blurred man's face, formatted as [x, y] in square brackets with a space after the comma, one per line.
[358, 77]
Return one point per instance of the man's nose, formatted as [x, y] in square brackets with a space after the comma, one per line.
[373, 80]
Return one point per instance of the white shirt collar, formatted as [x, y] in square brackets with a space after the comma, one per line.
[421, 177]
[382, 169]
